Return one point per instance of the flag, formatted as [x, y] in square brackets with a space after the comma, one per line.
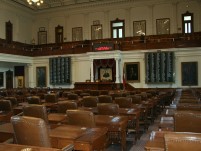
[124, 80]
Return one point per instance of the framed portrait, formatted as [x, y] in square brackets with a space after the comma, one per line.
[20, 81]
[42, 37]
[189, 73]
[132, 71]
[106, 74]
[77, 34]
[96, 32]
[139, 28]
[162, 26]
[41, 76]
[1, 79]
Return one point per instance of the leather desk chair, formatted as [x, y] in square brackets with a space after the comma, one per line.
[104, 92]
[187, 121]
[50, 101]
[94, 92]
[81, 118]
[51, 98]
[108, 108]
[105, 99]
[78, 92]
[182, 141]
[32, 131]
[123, 102]
[114, 95]
[90, 101]
[136, 99]
[84, 94]
[6, 110]
[38, 111]
[65, 94]
[72, 96]
[66, 105]
[13, 101]
[34, 100]
[144, 96]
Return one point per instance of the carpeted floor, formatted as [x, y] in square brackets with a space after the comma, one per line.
[139, 146]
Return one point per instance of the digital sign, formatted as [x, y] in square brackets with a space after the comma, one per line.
[103, 46]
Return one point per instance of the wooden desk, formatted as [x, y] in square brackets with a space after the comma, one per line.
[16, 147]
[97, 85]
[83, 138]
[57, 118]
[156, 142]
[116, 128]
[6, 132]
[133, 115]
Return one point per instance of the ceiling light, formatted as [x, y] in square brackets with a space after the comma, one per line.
[37, 2]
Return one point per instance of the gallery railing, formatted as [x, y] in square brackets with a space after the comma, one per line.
[123, 44]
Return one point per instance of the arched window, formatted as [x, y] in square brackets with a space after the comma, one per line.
[187, 23]
[117, 29]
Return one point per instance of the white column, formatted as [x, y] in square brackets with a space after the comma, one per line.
[30, 76]
[117, 71]
[92, 70]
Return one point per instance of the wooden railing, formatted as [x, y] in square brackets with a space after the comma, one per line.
[124, 44]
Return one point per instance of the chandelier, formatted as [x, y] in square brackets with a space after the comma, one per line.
[37, 2]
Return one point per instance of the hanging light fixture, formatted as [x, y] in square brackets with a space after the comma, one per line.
[37, 2]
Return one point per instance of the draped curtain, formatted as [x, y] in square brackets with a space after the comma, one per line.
[104, 63]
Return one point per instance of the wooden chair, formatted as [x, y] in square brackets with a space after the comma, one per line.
[90, 101]
[63, 106]
[6, 110]
[123, 102]
[38, 111]
[32, 131]
[72, 96]
[105, 99]
[34, 100]
[182, 141]
[81, 118]
[108, 108]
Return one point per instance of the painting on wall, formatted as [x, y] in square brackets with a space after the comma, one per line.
[1, 79]
[106, 74]
[189, 73]
[163, 26]
[96, 32]
[77, 34]
[20, 81]
[132, 71]
[41, 76]
[139, 28]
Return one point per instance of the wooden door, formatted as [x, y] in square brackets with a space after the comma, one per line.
[9, 79]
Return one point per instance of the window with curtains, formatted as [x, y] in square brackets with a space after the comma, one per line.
[101, 65]
[187, 23]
